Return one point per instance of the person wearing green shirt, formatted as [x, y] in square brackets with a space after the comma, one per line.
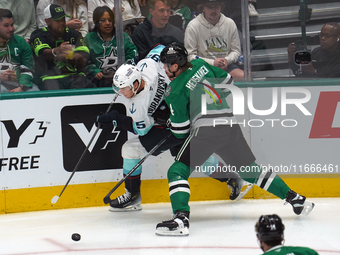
[197, 99]
[102, 43]
[270, 234]
[16, 58]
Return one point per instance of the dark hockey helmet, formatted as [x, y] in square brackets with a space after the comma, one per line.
[270, 228]
[174, 53]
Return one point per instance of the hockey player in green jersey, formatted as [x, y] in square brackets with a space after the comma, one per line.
[143, 86]
[269, 231]
[193, 85]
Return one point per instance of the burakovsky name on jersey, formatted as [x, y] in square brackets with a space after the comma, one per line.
[161, 86]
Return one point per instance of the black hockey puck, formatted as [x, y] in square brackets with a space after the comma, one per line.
[75, 237]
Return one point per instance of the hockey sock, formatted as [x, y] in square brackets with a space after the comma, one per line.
[278, 187]
[132, 183]
[215, 169]
[266, 180]
[179, 199]
[179, 189]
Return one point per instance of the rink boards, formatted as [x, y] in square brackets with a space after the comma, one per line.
[44, 134]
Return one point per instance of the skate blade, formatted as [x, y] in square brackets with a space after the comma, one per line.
[176, 232]
[129, 208]
[307, 207]
[245, 191]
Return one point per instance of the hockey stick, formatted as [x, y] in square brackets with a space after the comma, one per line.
[107, 198]
[56, 198]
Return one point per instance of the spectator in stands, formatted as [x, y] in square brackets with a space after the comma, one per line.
[60, 53]
[325, 59]
[232, 9]
[16, 59]
[156, 28]
[23, 16]
[76, 10]
[130, 9]
[180, 14]
[214, 38]
[103, 48]
[270, 236]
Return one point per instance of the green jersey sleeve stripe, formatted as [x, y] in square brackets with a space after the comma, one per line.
[82, 48]
[40, 47]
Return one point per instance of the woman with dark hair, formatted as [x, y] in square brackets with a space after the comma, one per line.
[103, 48]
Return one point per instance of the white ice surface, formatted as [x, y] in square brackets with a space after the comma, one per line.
[216, 227]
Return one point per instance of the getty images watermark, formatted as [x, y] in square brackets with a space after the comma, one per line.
[239, 105]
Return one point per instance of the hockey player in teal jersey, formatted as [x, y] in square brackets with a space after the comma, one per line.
[270, 234]
[143, 86]
[206, 134]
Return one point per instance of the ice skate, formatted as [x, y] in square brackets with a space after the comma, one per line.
[299, 203]
[126, 202]
[177, 226]
[235, 185]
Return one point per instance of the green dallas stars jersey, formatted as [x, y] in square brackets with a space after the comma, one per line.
[103, 55]
[290, 250]
[17, 55]
[184, 98]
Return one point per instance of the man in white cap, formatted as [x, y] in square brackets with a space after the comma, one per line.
[60, 53]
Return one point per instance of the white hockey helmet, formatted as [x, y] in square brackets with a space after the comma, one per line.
[125, 76]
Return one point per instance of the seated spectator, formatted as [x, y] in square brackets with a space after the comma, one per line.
[16, 59]
[325, 59]
[23, 16]
[232, 9]
[156, 28]
[60, 53]
[270, 236]
[214, 38]
[76, 10]
[130, 9]
[180, 14]
[103, 48]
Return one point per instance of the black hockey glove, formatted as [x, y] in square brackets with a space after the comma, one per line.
[107, 120]
[162, 114]
[114, 119]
